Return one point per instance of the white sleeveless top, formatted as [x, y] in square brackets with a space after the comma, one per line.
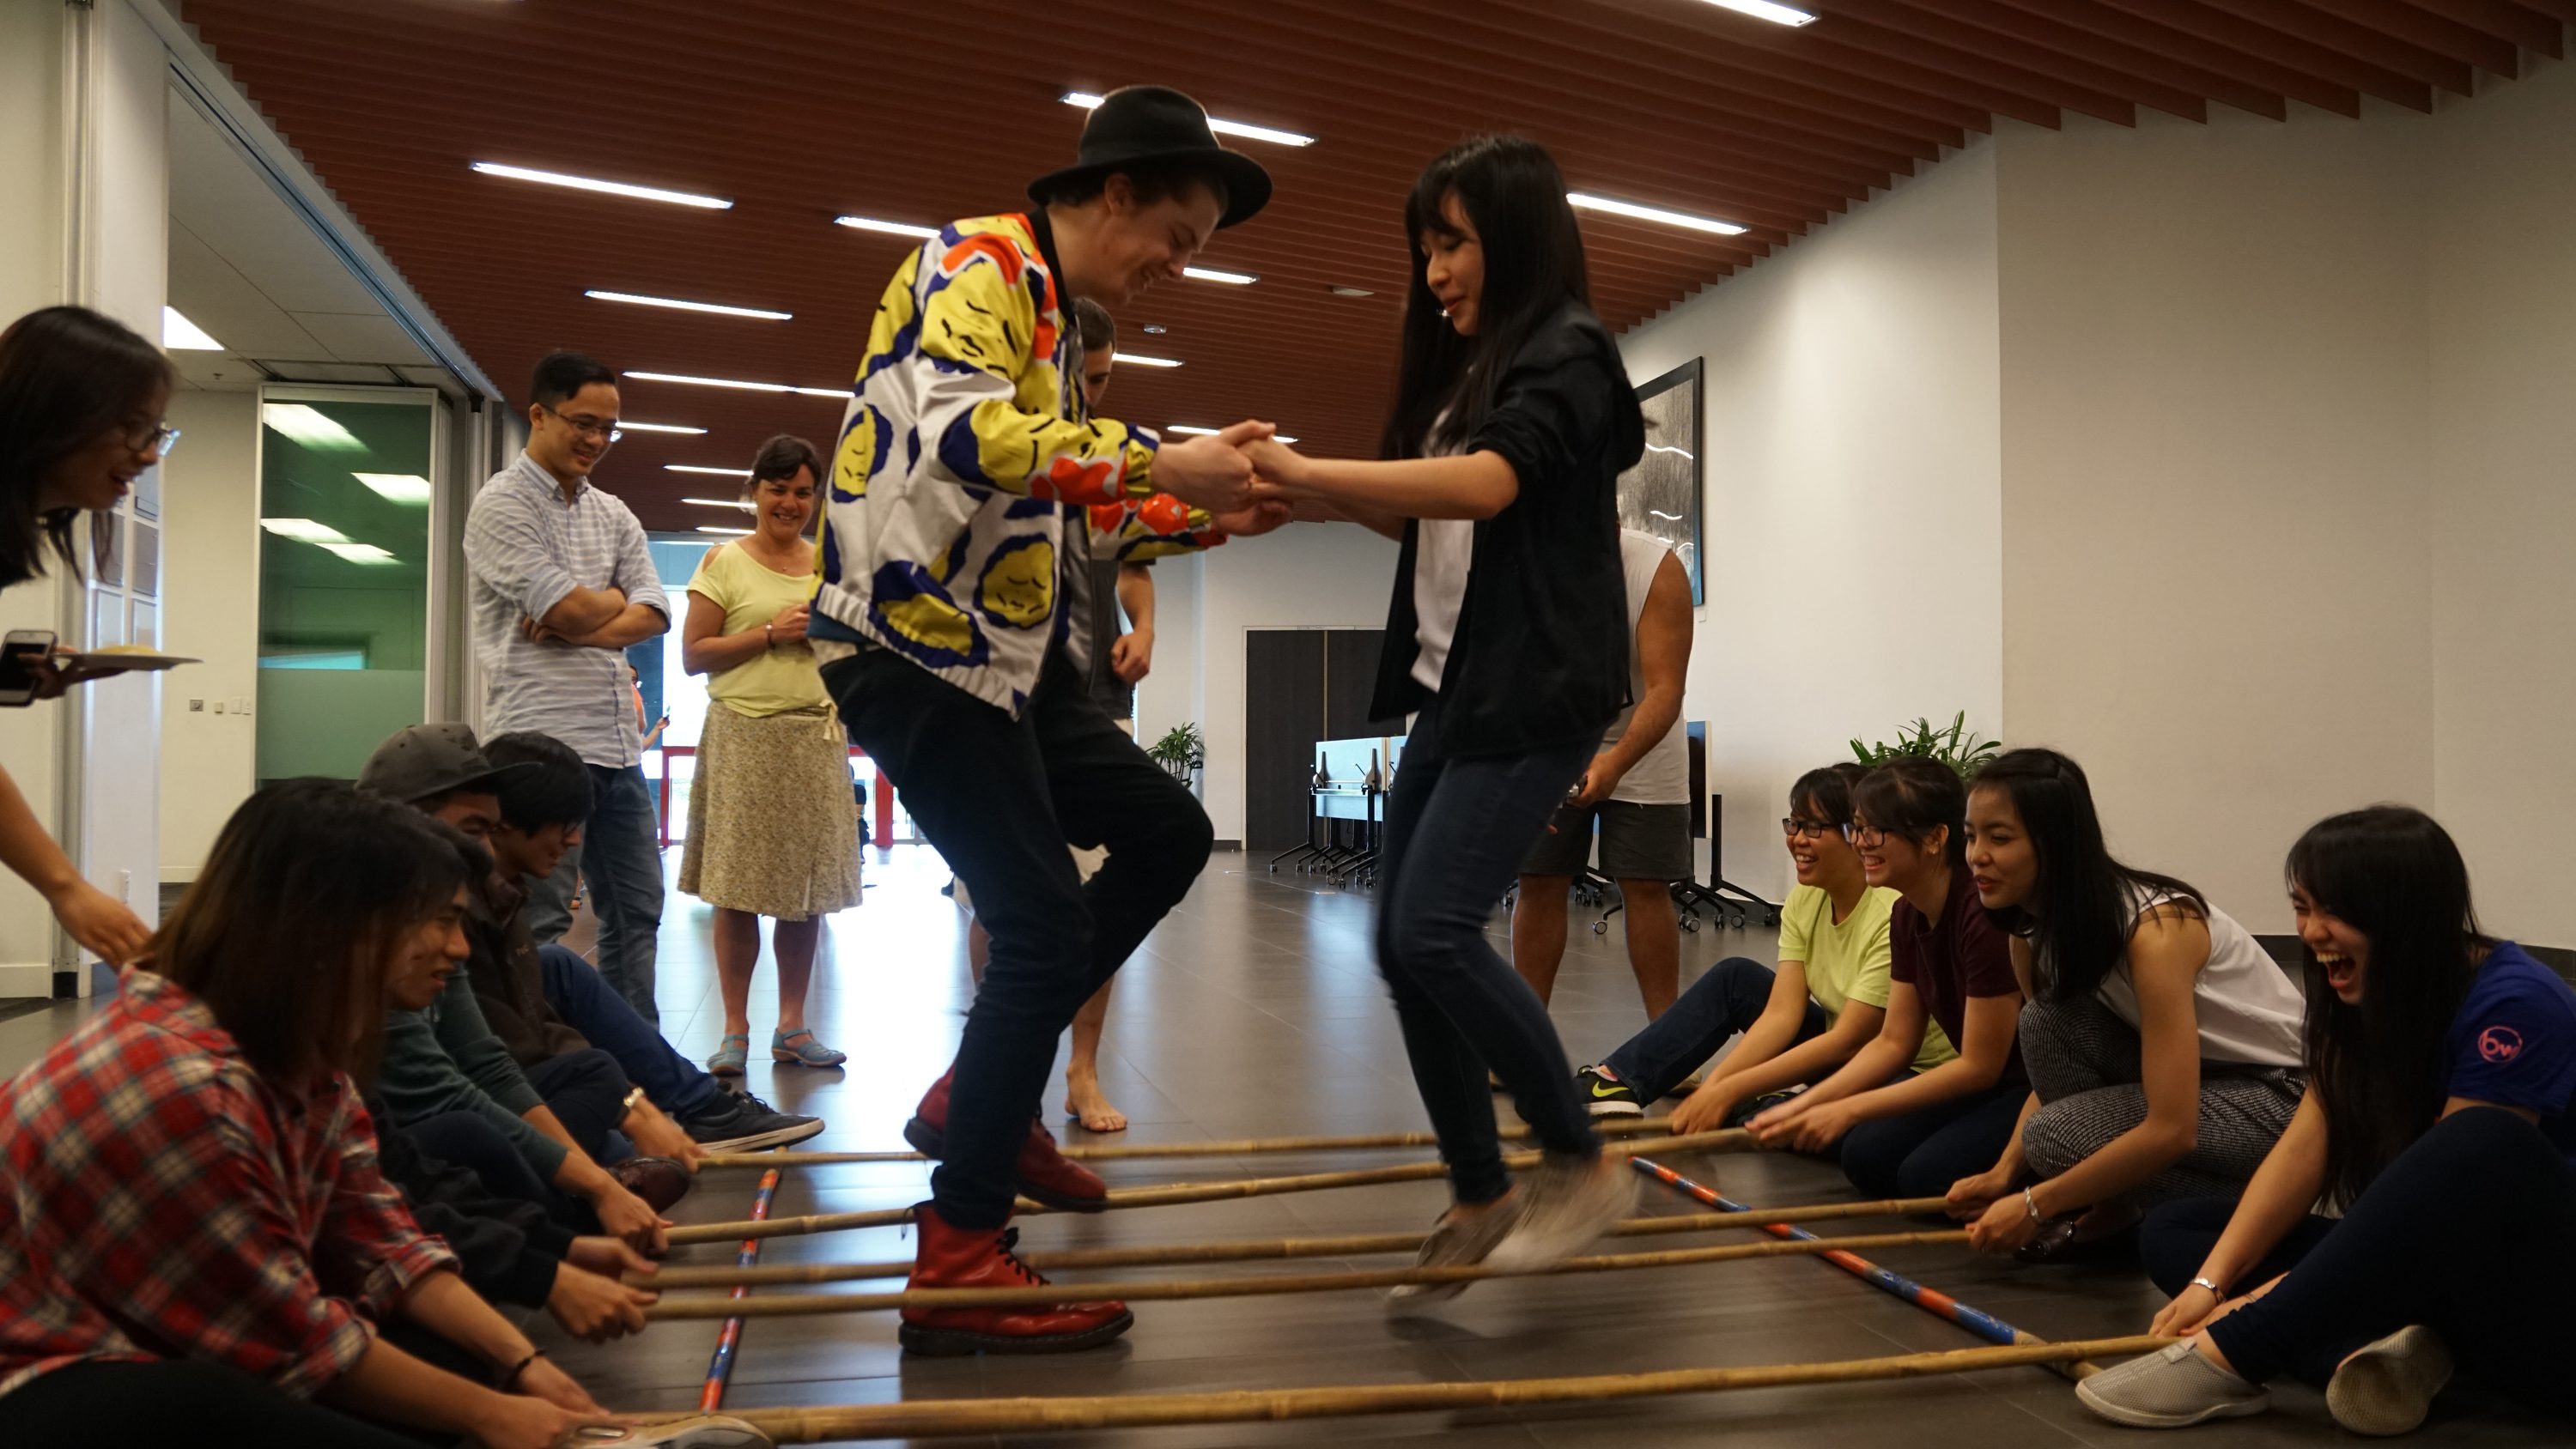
[2248, 1009]
[1663, 776]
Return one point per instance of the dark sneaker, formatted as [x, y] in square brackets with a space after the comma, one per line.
[1606, 1096]
[1457, 1240]
[741, 1122]
[659, 1181]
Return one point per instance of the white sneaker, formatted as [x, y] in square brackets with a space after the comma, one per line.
[2387, 1386]
[1566, 1204]
[1458, 1241]
[2171, 1388]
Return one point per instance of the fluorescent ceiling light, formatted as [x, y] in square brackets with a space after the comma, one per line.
[711, 528]
[1211, 274]
[840, 392]
[1211, 432]
[397, 487]
[890, 228]
[1141, 360]
[1353, 292]
[178, 334]
[718, 308]
[624, 425]
[309, 426]
[703, 468]
[362, 553]
[613, 188]
[1653, 213]
[303, 530]
[1087, 101]
[717, 502]
[1765, 10]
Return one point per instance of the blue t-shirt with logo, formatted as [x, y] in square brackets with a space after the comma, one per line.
[2513, 1042]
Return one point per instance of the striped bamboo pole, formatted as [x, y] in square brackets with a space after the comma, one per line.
[1259, 1286]
[1262, 1249]
[1931, 1300]
[729, 1338]
[1727, 1140]
[1139, 1151]
[929, 1418]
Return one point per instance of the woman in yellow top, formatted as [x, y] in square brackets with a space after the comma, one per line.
[771, 832]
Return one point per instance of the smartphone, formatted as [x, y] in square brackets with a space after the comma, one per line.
[17, 671]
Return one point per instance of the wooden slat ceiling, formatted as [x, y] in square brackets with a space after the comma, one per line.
[801, 110]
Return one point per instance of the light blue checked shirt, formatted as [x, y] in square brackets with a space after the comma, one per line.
[526, 550]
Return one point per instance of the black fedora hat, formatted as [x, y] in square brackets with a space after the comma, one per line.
[1135, 125]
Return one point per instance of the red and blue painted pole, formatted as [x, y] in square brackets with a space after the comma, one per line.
[720, 1368]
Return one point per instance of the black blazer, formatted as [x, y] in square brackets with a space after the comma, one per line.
[1541, 652]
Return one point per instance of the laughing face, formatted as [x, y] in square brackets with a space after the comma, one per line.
[102, 471]
[426, 956]
[1817, 849]
[2341, 950]
[783, 506]
[1141, 242]
[1453, 265]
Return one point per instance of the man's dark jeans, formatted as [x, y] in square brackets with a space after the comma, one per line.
[620, 855]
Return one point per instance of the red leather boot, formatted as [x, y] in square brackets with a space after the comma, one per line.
[954, 1257]
[1046, 1174]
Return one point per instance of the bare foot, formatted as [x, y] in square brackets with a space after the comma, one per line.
[1085, 1104]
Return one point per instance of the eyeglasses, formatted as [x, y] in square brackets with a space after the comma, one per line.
[149, 437]
[1797, 829]
[1868, 837]
[587, 427]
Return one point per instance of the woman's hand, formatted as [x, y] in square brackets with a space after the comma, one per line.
[1969, 1197]
[2190, 1310]
[624, 1215]
[514, 1421]
[2005, 1226]
[593, 1308]
[1275, 462]
[656, 1135]
[610, 1258]
[543, 1382]
[1210, 472]
[788, 625]
[1705, 1109]
[100, 922]
[1798, 1126]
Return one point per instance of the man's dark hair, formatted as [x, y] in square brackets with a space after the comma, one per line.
[1098, 330]
[555, 792]
[1154, 181]
[562, 374]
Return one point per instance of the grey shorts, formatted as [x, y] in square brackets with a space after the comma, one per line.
[1638, 842]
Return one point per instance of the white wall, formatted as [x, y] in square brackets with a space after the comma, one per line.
[210, 569]
[1851, 485]
[2214, 389]
[2500, 220]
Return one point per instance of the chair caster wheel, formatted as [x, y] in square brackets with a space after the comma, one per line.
[1601, 928]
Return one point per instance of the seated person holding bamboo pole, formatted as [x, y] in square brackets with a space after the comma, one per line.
[2439, 1117]
[1799, 1022]
[2162, 1042]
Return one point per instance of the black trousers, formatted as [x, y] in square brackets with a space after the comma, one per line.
[114, 1405]
[1001, 798]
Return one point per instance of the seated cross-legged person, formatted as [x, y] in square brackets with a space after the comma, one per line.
[1912, 1135]
[546, 999]
[1801, 1021]
[2162, 1041]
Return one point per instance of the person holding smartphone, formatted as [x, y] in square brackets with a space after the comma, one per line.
[81, 404]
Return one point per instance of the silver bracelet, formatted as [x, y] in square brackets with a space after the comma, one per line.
[2214, 1289]
[2030, 1204]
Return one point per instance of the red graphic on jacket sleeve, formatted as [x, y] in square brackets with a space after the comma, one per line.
[1071, 480]
[2499, 1044]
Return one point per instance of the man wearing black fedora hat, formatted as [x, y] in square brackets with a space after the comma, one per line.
[960, 485]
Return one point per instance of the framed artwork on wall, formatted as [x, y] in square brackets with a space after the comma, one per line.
[1661, 495]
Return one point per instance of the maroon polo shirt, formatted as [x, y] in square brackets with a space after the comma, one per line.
[1949, 960]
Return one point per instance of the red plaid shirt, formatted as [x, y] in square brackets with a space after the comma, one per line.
[163, 1201]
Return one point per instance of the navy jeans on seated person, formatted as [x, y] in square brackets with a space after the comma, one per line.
[1726, 1000]
[1923, 1152]
[1456, 833]
[587, 1093]
[620, 855]
[589, 1005]
[469, 1141]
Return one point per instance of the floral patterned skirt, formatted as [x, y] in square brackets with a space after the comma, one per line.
[773, 824]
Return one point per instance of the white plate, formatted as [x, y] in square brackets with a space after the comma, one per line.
[130, 659]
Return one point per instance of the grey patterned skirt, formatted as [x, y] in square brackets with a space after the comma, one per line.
[773, 827]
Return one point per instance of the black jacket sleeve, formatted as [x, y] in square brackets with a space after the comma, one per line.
[507, 1250]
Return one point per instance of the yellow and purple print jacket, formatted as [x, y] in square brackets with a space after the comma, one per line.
[968, 438]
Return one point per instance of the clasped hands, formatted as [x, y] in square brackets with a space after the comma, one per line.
[1241, 476]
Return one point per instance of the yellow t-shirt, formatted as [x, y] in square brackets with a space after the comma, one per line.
[777, 680]
[1848, 962]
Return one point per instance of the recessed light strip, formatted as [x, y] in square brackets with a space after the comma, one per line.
[1141, 360]
[890, 228]
[762, 313]
[839, 392]
[1632, 210]
[703, 468]
[711, 528]
[1765, 10]
[613, 188]
[1211, 274]
[717, 502]
[1087, 101]
[624, 425]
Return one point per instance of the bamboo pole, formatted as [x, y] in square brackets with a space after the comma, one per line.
[927, 1418]
[1262, 1249]
[1138, 1151]
[1043, 1295]
[1726, 1140]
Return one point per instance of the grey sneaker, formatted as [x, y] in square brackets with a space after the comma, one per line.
[1454, 1242]
[2170, 1389]
[1566, 1203]
[2387, 1387]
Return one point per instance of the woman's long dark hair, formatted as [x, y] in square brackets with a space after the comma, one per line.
[2392, 873]
[1515, 198]
[285, 935]
[2084, 903]
[67, 374]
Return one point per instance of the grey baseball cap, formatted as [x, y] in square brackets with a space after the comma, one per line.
[431, 759]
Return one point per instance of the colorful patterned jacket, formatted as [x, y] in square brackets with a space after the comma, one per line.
[943, 536]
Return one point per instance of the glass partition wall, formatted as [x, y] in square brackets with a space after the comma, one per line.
[350, 578]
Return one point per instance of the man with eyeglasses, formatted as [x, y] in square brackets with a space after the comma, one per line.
[561, 584]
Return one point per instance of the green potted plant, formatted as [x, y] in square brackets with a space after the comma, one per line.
[1181, 750]
[1955, 747]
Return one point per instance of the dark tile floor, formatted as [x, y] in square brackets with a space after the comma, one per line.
[1254, 1011]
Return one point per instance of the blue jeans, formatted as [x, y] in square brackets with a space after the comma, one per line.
[469, 1141]
[587, 1004]
[1725, 1001]
[1456, 833]
[620, 854]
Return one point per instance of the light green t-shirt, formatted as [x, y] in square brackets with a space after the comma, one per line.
[775, 680]
[1847, 962]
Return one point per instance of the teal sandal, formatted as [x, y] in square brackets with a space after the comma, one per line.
[812, 1054]
[730, 1055]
